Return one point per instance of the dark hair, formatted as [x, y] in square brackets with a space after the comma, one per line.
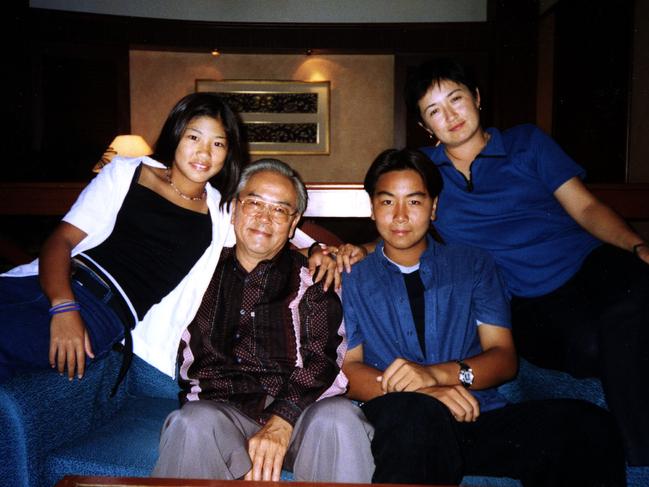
[433, 72]
[204, 105]
[281, 168]
[400, 160]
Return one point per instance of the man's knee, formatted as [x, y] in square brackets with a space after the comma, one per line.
[404, 408]
[335, 414]
[196, 418]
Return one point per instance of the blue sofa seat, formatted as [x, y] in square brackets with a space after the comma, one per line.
[51, 427]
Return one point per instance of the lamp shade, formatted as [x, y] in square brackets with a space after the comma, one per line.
[123, 145]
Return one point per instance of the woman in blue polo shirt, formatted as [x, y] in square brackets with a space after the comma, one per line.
[577, 274]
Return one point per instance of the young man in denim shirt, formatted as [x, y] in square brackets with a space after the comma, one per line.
[429, 341]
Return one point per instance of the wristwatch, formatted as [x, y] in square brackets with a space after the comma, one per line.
[466, 374]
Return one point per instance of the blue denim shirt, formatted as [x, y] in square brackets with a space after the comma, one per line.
[462, 289]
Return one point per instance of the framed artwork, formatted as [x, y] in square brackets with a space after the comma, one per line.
[280, 117]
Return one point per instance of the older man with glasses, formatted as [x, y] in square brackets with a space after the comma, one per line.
[260, 363]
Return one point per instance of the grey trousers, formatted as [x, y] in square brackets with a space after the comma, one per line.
[206, 439]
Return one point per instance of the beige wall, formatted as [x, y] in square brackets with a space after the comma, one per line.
[362, 99]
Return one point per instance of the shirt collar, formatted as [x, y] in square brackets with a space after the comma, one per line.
[494, 148]
[281, 263]
[392, 266]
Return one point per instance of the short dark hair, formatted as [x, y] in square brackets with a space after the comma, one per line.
[205, 104]
[400, 160]
[433, 72]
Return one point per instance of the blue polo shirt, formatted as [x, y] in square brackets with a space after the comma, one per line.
[461, 288]
[511, 211]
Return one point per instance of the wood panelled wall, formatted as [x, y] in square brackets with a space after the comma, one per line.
[69, 87]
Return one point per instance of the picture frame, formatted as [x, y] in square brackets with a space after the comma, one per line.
[280, 117]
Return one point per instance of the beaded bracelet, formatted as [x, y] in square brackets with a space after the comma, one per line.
[64, 308]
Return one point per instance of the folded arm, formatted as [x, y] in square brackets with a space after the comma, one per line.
[365, 384]
[497, 363]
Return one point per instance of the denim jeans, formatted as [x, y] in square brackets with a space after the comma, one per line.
[25, 324]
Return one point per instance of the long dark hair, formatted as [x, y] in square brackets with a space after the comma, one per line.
[205, 104]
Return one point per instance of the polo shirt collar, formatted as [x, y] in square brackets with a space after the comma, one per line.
[494, 148]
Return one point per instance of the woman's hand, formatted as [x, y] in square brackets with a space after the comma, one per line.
[347, 255]
[69, 344]
[325, 264]
[642, 252]
[68, 335]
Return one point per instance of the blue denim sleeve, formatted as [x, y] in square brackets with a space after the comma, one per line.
[489, 298]
[350, 296]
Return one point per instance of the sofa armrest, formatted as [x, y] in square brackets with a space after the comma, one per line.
[535, 382]
[40, 411]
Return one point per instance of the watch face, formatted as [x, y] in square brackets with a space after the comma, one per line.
[466, 376]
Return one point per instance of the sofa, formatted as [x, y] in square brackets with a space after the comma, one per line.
[51, 427]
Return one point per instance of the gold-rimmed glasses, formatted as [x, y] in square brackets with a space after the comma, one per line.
[279, 213]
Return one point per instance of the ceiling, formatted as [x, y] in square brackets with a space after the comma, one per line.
[283, 11]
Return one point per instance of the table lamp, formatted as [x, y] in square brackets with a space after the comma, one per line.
[123, 145]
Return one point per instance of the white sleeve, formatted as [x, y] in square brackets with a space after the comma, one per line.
[95, 210]
[95, 205]
[301, 240]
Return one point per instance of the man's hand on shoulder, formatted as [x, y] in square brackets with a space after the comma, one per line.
[267, 449]
[461, 403]
[405, 376]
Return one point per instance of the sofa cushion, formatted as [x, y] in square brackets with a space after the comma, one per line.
[144, 380]
[126, 445]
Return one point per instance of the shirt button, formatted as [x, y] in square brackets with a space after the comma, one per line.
[237, 336]
[242, 312]
[238, 360]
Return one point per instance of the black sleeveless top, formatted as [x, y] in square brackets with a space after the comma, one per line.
[153, 246]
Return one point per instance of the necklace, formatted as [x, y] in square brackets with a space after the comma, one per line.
[180, 193]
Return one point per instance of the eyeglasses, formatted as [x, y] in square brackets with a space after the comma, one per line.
[254, 207]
